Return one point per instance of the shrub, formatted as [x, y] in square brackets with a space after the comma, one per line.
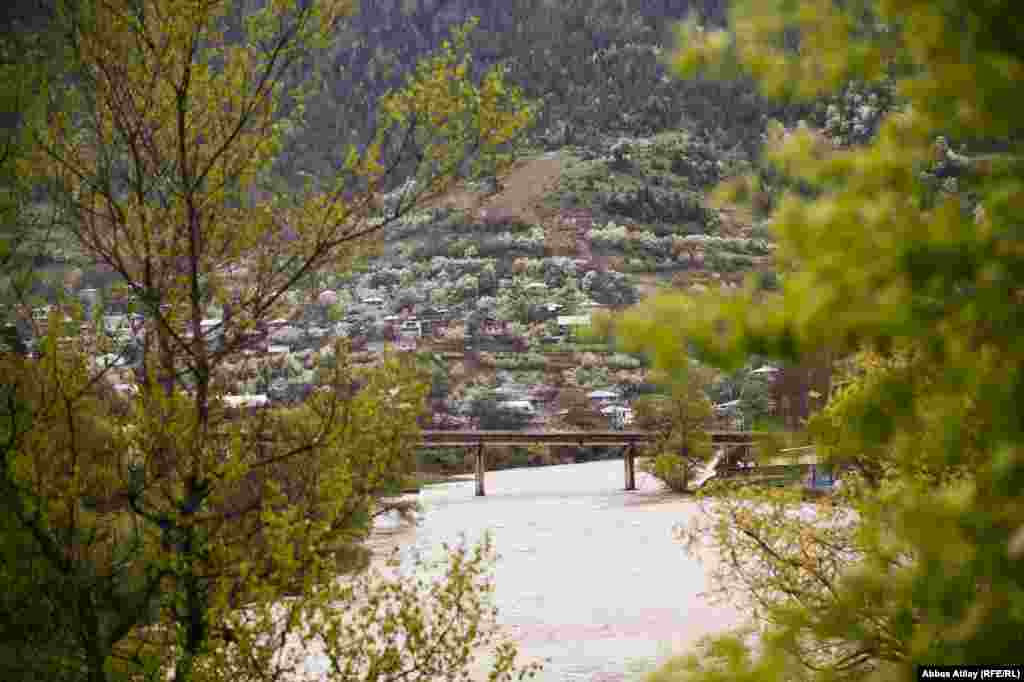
[622, 361]
[669, 469]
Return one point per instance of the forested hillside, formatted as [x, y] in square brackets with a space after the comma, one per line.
[597, 66]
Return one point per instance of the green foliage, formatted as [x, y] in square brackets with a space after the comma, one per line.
[400, 622]
[680, 419]
[918, 560]
[521, 361]
[155, 519]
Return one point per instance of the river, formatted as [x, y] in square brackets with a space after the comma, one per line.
[589, 577]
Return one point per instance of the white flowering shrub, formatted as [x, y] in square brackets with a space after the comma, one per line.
[853, 116]
[754, 247]
[610, 235]
[591, 376]
[440, 296]
[622, 361]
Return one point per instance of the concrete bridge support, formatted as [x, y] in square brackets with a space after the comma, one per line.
[629, 461]
[481, 467]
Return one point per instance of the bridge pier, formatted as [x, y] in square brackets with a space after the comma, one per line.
[630, 463]
[480, 469]
[723, 440]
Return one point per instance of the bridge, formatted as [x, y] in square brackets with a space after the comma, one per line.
[628, 439]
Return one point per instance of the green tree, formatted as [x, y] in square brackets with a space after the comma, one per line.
[929, 570]
[161, 518]
[680, 419]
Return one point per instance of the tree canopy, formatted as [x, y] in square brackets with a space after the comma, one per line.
[176, 534]
[929, 283]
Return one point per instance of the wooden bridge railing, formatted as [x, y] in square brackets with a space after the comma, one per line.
[630, 439]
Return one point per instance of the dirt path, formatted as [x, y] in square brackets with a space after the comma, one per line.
[524, 188]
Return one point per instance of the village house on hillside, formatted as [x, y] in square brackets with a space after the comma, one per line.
[491, 326]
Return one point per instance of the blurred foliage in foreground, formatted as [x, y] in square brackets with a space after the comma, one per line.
[176, 534]
[919, 558]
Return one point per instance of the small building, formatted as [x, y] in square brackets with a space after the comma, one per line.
[212, 328]
[407, 342]
[603, 396]
[113, 324]
[246, 400]
[493, 327]
[521, 406]
[412, 328]
[512, 392]
[127, 390]
[731, 412]
[620, 415]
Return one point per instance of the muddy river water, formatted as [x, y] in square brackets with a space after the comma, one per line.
[589, 577]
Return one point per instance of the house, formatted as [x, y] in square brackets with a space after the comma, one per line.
[512, 392]
[521, 406]
[731, 412]
[620, 415]
[412, 328]
[603, 397]
[212, 327]
[241, 401]
[493, 327]
[112, 324]
[127, 390]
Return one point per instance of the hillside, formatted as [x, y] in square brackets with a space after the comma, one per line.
[596, 65]
[566, 232]
[607, 204]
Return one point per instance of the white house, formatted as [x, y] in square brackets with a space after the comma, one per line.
[246, 400]
[411, 327]
[603, 395]
[115, 323]
[621, 416]
[732, 411]
[568, 322]
[523, 406]
[126, 389]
